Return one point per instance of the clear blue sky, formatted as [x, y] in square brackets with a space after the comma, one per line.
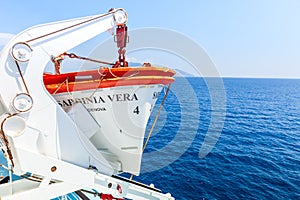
[244, 38]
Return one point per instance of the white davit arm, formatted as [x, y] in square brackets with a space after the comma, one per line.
[43, 125]
[64, 35]
[35, 46]
[22, 65]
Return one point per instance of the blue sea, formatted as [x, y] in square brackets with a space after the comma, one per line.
[257, 155]
[254, 126]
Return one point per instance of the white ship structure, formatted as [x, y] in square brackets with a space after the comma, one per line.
[72, 134]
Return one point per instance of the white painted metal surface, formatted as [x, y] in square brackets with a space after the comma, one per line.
[122, 114]
[51, 145]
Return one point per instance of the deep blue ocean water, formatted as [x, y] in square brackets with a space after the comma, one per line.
[257, 155]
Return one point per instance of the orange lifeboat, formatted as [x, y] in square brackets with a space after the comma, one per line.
[107, 77]
[120, 101]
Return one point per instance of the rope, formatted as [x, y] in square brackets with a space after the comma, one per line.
[67, 85]
[100, 80]
[115, 76]
[73, 55]
[100, 72]
[68, 90]
[112, 74]
[156, 117]
[5, 140]
[60, 85]
[23, 80]
[72, 26]
[154, 122]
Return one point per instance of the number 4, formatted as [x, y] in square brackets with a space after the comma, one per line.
[136, 110]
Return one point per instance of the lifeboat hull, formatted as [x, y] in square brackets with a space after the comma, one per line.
[120, 106]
